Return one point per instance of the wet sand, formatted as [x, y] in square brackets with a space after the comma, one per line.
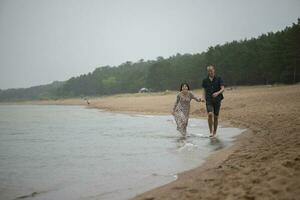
[264, 162]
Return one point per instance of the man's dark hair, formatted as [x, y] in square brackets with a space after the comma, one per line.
[182, 84]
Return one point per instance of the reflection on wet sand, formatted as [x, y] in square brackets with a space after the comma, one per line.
[217, 143]
[189, 141]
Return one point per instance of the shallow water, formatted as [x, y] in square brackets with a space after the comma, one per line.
[70, 152]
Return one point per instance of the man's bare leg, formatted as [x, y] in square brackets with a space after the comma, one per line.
[215, 124]
[210, 122]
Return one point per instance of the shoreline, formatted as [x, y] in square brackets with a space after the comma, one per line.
[262, 163]
[212, 161]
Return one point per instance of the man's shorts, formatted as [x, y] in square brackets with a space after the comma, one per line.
[213, 107]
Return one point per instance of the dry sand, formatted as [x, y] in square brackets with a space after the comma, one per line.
[264, 162]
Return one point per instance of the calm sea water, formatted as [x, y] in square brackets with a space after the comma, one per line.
[70, 152]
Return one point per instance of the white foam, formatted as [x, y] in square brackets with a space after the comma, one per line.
[175, 176]
[200, 135]
[187, 146]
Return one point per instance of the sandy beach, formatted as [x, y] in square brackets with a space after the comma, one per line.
[263, 163]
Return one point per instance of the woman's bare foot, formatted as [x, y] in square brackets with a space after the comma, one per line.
[214, 134]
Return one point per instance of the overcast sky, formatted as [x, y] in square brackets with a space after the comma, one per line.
[46, 40]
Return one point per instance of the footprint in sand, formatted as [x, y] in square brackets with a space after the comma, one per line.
[193, 191]
[179, 187]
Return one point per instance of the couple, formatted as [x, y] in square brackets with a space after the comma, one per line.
[213, 89]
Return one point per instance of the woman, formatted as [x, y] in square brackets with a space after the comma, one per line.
[181, 108]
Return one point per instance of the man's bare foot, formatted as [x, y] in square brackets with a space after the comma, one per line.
[214, 134]
[211, 135]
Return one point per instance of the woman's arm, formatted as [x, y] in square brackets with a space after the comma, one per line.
[194, 97]
[176, 103]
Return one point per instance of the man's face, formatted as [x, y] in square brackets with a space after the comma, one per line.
[211, 72]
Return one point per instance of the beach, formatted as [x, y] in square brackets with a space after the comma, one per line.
[263, 163]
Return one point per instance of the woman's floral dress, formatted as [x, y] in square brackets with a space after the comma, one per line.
[182, 110]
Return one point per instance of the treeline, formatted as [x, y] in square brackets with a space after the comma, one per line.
[41, 92]
[269, 59]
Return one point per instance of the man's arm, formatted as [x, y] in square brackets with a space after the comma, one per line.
[203, 95]
[221, 83]
[219, 92]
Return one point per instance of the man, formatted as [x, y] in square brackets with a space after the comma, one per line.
[213, 88]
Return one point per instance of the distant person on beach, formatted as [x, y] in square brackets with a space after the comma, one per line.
[181, 109]
[213, 88]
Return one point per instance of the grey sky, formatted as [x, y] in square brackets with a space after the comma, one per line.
[46, 40]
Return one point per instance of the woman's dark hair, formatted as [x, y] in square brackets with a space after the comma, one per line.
[182, 84]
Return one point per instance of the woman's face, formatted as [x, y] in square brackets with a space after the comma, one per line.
[185, 88]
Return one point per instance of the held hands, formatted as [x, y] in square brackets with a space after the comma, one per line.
[201, 100]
